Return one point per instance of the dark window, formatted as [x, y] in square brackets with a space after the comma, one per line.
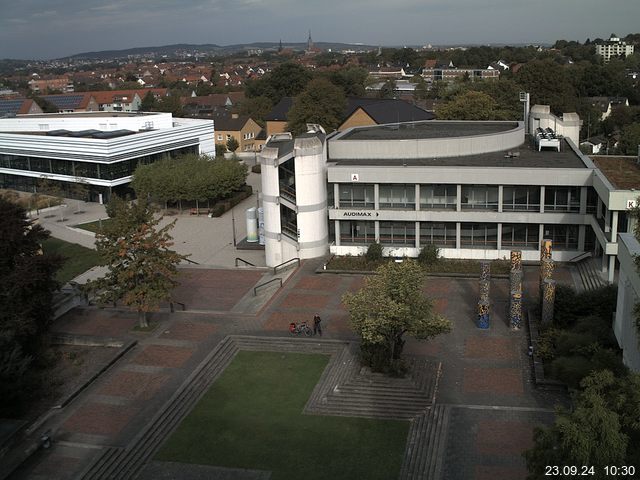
[352, 195]
[521, 198]
[438, 196]
[479, 235]
[564, 237]
[562, 199]
[438, 234]
[479, 197]
[520, 235]
[397, 196]
[398, 233]
[357, 233]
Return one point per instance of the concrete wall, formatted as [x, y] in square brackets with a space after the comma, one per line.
[628, 294]
[359, 118]
[428, 147]
[567, 126]
[87, 121]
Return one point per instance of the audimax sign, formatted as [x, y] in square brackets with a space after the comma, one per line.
[360, 214]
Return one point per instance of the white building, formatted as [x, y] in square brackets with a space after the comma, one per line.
[473, 189]
[100, 149]
[613, 47]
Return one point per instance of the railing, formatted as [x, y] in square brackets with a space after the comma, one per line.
[238, 259]
[255, 289]
[287, 192]
[582, 256]
[283, 264]
[191, 261]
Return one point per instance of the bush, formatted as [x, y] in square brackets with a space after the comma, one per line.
[428, 255]
[374, 252]
[570, 306]
[571, 370]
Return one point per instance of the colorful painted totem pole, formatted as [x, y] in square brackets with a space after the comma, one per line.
[483, 303]
[515, 295]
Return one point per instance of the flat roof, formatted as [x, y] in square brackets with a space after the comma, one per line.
[88, 114]
[427, 129]
[525, 156]
[622, 172]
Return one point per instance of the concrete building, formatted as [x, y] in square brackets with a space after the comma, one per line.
[624, 325]
[474, 189]
[99, 149]
[614, 47]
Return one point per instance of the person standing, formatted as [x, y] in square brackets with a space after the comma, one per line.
[316, 325]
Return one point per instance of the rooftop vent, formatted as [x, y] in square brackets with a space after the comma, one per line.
[547, 138]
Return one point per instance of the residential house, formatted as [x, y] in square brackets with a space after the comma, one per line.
[73, 102]
[63, 84]
[18, 106]
[243, 128]
[614, 47]
[607, 104]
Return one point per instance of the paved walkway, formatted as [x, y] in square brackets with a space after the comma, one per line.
[485, 404]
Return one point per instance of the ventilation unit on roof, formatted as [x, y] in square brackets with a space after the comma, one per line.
[547, 138]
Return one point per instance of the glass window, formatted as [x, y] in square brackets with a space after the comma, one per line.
[564, 237]
[85, 169]
[20, 163]
[522, 198]
[61, 167]
[562, 199]
[438, 196]
[357, 233]
[480, 197]
[40, 165]
[397, 196]
[398, 233]
[483, 235]
[438, 234]
[356, 195]
[520, 235]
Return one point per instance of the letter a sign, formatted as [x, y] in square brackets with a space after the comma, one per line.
[355, 177]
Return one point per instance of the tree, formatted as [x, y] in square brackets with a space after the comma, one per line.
[629, 140]
[232, 144]
[321, 102]
[469, 106]
[390, 305]
[351, 79]
[257, 108]
[598, 430]
[549, 84]
[26, 298]
[286, 80]
[388, 89]
[220, 150]
[421, 92]
[171, 104]
[149, 103]
[142, 269]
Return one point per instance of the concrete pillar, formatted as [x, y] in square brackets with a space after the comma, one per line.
[336, 232]
[458, 230]
[541, 202]
[417, 234]
[376, 198]
[612, 268]
[614, 226]
[417, 196]
[336, 195]
[583, 200]
[500, 199]
[540, 233]
[458, 199]
[377, 230]
[582, 233]
[598, 208]
[499, 234]
[603, 265]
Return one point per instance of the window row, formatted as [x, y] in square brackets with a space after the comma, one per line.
[104, 171]
[483, 235]
[473, 197]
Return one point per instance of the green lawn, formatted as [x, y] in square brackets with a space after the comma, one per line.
[252, 418]
[93, 226]
[79, 259]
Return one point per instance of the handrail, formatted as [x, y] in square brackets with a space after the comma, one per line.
[191, 261]
[275, 269]
[244, 261]
[582, 256]
[255, 289]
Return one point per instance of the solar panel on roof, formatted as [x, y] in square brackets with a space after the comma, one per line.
[112, 134]
[84, 133]
[59, 133]
[66, 102]
[10, 106]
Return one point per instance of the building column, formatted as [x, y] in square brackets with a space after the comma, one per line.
[599, 208]
[458, 199]
[417, 235]
[336, 195]
[541, 203]
[376, 199]
[582, 233]
[377, 230]
[614, 226]
[500, 197]
[612, 267]
[458, 231]
[336, 232]
[417, 196]
[540, 234]
[583, 200]
[603, 265]
[499, 239]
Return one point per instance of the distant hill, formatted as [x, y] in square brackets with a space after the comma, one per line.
[209, 49]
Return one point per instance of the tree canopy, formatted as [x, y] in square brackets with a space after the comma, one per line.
[321, 102]
[28, 284]
[470, 105]
[390, 305]
[286, 80]
[142, 269]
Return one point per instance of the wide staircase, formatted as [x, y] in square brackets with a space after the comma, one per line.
[587, 267]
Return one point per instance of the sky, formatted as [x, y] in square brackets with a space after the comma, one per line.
[37, 29]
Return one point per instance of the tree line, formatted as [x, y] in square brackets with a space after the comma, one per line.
[189, 178]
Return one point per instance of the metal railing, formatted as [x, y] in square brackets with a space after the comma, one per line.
[191, 261]
[582, 256]
[255, 289]
[238, 259]
[284, 264]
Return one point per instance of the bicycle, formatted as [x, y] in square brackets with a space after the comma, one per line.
[300, 329]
